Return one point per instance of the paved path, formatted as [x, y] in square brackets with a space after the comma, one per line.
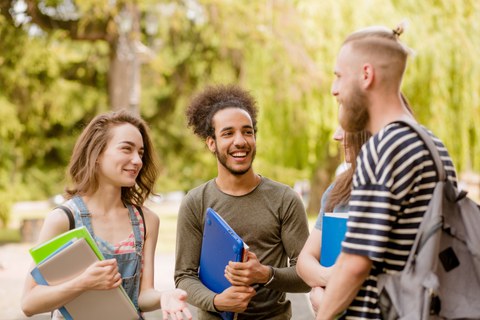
[15, 262]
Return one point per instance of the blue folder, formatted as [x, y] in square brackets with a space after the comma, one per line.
[334, 227]
[220, 245]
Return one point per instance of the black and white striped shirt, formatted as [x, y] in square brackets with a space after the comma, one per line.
[392, 187]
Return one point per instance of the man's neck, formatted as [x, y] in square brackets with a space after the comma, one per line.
[237, 185]
[386, 111]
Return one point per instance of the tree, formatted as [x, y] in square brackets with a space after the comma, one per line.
[60, 59]
[117, 25]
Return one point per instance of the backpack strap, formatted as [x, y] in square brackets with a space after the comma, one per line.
[144, 222]
[71, 219]
[68, 212]
[427, 139]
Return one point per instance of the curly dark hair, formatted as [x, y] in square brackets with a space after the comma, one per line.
[212, 99]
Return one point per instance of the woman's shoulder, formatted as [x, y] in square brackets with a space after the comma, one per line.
[149, 215]
[151, 221]
[59, 216]
[55, 223]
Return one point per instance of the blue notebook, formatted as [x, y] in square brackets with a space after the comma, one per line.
[220, 245]
[334, 227]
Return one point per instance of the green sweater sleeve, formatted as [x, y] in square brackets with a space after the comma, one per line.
[187, 257]
[294, 233]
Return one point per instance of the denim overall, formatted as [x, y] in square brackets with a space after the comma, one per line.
[129, 264]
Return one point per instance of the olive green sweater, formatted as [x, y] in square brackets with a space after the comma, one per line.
[271, 220]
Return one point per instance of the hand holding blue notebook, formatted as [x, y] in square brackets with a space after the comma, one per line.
[220, 245]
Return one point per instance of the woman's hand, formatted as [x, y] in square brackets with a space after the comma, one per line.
[174, 306]
[316, 296]
[101, 275]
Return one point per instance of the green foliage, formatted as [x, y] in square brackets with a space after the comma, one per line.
[5, 205]
[42, 104]
[9, 235]
[443, 77]
[282, 51]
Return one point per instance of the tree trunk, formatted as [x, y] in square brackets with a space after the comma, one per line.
[123, 80]
[124, 72]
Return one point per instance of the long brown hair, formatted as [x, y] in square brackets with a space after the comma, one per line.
[340, 193]
[91, 144]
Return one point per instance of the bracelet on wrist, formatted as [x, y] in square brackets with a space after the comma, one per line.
[272, 272]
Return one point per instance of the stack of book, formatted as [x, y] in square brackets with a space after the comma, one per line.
[67, 256]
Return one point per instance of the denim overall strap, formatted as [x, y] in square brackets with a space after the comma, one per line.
[129, 264]
[136, 230]
[84, 214]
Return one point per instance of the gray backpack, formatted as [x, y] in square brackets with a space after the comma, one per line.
[441, 279]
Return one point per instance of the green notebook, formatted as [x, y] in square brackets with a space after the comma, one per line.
[44, 250]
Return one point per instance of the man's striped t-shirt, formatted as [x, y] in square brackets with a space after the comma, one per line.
[392, 187]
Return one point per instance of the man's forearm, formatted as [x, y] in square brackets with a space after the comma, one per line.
[197, 294]
[287, 280]
[349, 273]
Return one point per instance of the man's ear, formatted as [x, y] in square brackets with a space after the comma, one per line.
[211, 144]
[368, 75]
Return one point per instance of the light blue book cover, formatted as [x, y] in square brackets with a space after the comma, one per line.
[37, 275]
[334, 227]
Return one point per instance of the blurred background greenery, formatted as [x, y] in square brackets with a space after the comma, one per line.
[64, 61]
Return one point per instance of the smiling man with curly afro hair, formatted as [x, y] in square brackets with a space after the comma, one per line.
[267, 215]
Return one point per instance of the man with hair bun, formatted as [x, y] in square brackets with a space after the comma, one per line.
[268, 216]
[394, 178]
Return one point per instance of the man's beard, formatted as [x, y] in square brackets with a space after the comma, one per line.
[222, 158]
[355, 115]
